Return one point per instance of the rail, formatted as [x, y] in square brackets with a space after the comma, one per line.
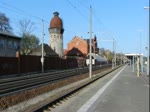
[17, 84]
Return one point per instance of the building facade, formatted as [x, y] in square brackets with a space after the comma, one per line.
[78, 43]
[80, 47]
[56, 34]
[9, 44]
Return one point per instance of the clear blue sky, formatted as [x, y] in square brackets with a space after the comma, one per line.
[118, 19]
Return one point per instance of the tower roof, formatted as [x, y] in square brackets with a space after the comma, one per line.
[56, 22]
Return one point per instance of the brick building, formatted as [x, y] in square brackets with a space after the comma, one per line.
[80, 47]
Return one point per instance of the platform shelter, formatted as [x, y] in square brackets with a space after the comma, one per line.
[132, 59]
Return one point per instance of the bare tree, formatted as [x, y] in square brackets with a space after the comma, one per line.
[4, 23]
[26, 27]
[29, 41]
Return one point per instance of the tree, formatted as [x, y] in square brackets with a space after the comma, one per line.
[102, 51]
[26, 27]
[108, 54]
[28, 43]
[4, 23]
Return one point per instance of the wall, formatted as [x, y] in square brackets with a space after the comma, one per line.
[27, 64]
[79, 44]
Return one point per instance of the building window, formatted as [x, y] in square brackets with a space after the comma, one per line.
[15, 45]
[2, 43]
[9, 44]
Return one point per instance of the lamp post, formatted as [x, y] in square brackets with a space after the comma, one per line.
[147, 43]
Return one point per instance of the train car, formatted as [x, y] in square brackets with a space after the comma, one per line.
[96, 59]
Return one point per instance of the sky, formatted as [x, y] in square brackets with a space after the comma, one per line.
[125, 21]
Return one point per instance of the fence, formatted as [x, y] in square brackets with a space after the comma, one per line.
[26, 64]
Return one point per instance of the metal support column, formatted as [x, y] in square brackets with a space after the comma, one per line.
[138, 66]
[141, 63]
[90, 60]
[42, 57]
[133, 64]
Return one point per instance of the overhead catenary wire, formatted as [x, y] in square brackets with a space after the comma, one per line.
[21, 12]
[80, 13]
[100, 26]
[16, 10]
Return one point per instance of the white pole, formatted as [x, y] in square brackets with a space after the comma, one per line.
[147, 43]
[138, 67]
[133, 64]
[90, 61]
[115, 53]
[140, 51]
[141, 63]
[42, 58]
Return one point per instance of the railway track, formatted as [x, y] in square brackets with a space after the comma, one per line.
[51, 105]
[14, 85]
[15, 90]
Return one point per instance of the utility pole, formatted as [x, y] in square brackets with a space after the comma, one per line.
[114, 41]
[113, 63]
[90, 60]
[115, 53]
[147, 42]
[42, 58]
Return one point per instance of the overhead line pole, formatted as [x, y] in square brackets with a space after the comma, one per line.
[147, 42]
[42, 57]
[115, 52]
[90, 60]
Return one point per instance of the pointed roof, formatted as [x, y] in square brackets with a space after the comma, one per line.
[79, 38]
[47, 51]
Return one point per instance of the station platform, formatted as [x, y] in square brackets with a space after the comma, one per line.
[120, 91]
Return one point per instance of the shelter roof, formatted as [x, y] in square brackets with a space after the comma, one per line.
[47, 51]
